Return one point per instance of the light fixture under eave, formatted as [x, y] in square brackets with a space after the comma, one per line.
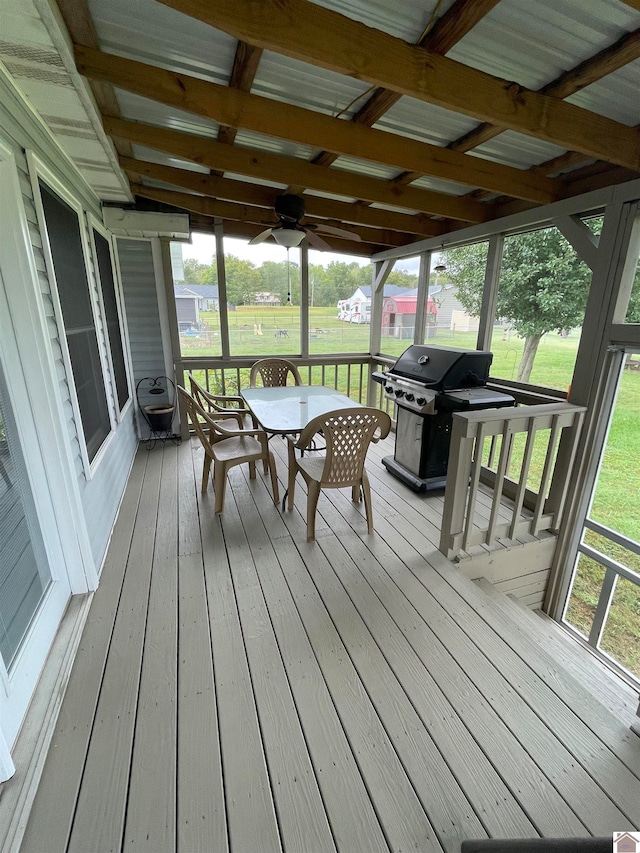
[288, 237]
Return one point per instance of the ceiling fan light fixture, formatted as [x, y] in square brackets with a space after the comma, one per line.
[288, 237]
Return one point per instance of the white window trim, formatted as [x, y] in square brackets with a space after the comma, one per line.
[29, 323]
[39, 171]
[95, 224]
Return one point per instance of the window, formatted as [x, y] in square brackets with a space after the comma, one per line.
[112, 319]
[63, 228]
[339, 303]
[542, 296]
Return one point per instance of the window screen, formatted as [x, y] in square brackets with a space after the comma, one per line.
[109, 299]
[63, 229]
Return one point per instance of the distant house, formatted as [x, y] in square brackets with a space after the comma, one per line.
[357, 309]
[265, 298]
[399, 315]
[187, 306]
[208, 293]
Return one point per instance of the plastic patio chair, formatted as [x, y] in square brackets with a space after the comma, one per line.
[348, 433]
[274, 372]
[224, 404]
[226, 448]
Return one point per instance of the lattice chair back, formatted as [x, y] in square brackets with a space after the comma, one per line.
[274, 372]
[348, 433]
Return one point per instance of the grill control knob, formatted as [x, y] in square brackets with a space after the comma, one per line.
[388, 389]
[421, 401]
[399, 392]
[409, 398]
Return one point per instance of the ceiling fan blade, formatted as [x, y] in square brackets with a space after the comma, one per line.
[260, 238]
[317, 242]
[331, 229]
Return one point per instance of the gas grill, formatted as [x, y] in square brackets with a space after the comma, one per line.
[428, 384]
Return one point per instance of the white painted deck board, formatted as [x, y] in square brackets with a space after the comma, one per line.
[240, 689]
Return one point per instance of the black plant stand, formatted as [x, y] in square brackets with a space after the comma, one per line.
[156, 398]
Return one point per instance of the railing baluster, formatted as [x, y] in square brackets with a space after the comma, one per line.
[524, 476]
[546, 475]
[474, 484]
[503, 461]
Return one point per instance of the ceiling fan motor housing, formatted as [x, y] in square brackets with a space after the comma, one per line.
[289, 208]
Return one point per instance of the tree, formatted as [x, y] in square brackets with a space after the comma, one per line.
[197, 273]
[243, 280]
[543, 286]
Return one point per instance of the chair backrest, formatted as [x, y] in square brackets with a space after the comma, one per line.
[274, 372]
[198, 417]
[198, 393]
[348, 433]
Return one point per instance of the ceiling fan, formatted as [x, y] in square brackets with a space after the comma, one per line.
[289, 233]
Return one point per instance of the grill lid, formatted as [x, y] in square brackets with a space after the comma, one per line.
[444, 368]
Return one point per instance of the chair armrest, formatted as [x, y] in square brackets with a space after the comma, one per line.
[240, 432]
[234, 415]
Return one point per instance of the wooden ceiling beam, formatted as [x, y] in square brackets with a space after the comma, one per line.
[612, 58]
[246, 231]
[287, 170]
[264, 197]
[252, 112]
[299, 29]
[260, 216]
[456, 22]
[245, 66]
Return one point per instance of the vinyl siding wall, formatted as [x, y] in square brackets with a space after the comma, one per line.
[101, 494]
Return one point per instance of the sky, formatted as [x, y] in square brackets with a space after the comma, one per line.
[202, 248]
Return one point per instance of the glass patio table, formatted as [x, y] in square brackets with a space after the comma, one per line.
[287, 410]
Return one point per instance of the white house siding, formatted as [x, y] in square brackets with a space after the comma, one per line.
[100, 496]
[135, 259]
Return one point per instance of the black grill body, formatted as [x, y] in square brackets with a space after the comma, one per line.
[429, 384]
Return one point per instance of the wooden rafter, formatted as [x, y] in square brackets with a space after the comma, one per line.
[259, 216]
[624, 51]
[456, 22]
[252, 112]
[264, 197]
[298, 28]
[245, 66]
[245, 231]
[286, 170]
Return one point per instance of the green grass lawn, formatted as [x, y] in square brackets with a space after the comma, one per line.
[265, 331]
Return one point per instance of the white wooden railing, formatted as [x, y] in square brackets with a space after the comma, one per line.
[474, 458]
[349, 374]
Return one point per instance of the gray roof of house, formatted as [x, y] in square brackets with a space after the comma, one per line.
[202, 291]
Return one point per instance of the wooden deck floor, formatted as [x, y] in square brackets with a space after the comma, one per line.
[240, 689]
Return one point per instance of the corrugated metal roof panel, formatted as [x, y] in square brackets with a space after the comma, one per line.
[270, 144]
[516, 149]
[305, 85]
[365, 167]
[539, 41]
[406, 20]
[138, 108]
[425, 122]
[151, 32]
[615, 96]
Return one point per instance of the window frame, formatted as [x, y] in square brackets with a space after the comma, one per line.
[94, 223]
[38, 171]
